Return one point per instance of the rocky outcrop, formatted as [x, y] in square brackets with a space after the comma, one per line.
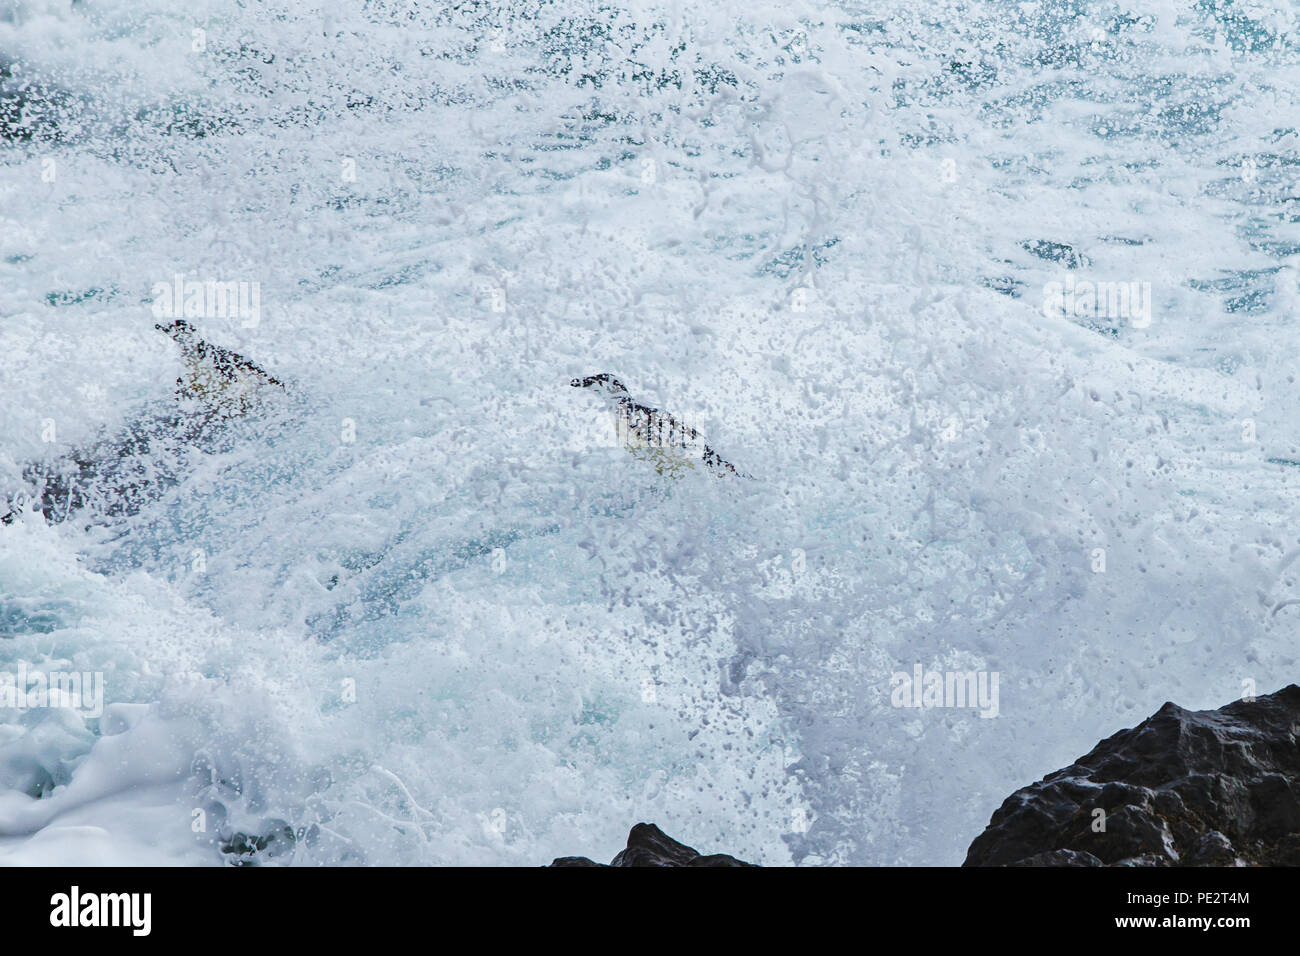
[647, 845]
[1183, 788]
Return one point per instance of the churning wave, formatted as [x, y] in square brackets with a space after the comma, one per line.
[997, 304]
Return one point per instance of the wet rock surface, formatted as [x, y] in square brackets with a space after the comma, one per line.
[647, 845]
[1183, 788]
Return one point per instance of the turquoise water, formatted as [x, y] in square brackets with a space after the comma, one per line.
[426, 614]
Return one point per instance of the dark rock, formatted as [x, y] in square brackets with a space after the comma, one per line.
[1060, 858]
[647, 845]
[1288, 851]
[1183, 788]
[1211, 849]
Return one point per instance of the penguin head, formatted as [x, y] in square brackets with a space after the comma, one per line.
[604, 382]
[178, 329]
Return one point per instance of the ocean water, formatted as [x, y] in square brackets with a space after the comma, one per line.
[425, 612]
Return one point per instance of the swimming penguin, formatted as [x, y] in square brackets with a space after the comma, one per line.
[118, 474]
[653, 435]
[223, 381]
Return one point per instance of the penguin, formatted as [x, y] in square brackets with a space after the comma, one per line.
[653, 435]
[223, 381]
[119, 474]
[115, 475]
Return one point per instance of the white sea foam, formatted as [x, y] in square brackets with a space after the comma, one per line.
[426, 616]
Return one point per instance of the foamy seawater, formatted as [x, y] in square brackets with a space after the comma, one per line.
[995, 305]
